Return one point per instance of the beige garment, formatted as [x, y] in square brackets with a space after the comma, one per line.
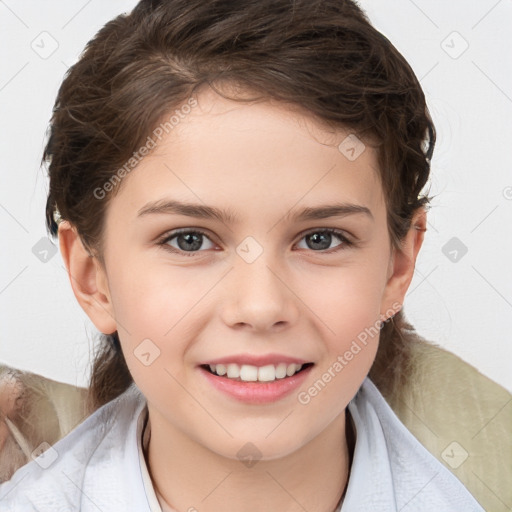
[41, 412]
[462, 417]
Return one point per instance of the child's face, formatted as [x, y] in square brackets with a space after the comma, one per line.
[255, 286]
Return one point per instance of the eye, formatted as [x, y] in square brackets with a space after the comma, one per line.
[192, 241]
[321, 240]
[187, 240]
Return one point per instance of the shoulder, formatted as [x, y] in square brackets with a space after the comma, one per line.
[90, 455]
[391, 470]
[463, 418]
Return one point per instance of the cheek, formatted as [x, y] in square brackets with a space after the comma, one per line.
[346, 299]
[151, 301]
[349, 312]
[347, 302]
[156, 313]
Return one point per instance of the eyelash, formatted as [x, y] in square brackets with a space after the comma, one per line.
[164, 242]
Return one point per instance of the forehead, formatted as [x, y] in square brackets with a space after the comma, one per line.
[260, 156]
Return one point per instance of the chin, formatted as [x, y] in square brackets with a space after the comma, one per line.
[250, 448]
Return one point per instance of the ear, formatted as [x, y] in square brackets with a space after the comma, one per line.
[88, 279]
[402, 263]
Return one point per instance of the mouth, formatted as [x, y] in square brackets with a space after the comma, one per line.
[251, 373]
[251, 384]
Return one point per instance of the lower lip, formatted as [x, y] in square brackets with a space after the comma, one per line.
[257, 392]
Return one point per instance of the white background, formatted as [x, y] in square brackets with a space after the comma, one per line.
[463, 305]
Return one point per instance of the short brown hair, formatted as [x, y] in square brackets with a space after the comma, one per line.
[323, 56]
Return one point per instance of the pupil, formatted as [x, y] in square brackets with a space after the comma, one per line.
[315, 238]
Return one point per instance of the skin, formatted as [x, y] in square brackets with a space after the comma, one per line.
[260, 161]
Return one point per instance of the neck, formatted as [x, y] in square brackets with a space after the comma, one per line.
[190, 477]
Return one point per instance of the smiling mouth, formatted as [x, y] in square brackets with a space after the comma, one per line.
[250, 373]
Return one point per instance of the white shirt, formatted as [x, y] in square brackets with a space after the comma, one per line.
[100, 466]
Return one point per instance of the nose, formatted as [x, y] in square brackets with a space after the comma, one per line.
[259, 298]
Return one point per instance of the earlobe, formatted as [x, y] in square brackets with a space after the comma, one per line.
[88, 279]
[403, 263]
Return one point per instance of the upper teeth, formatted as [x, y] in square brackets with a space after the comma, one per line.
[249, 373]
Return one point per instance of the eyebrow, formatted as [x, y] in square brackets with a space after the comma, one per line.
[202, 211]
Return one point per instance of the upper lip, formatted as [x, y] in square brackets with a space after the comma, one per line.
[256, 360]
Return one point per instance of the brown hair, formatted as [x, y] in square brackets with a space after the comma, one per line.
[320, 55]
